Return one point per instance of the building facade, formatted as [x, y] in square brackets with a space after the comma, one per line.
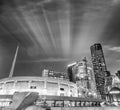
[71, 74]
[116, 81]
[99, 68]
[108, 82]
[55, 74]
[84, 78]
[42, 85]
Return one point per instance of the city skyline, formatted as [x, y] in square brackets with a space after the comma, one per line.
[53, 33]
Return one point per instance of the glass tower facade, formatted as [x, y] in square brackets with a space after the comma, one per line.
[99, 68]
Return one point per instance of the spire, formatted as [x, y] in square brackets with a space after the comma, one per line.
[13, 63]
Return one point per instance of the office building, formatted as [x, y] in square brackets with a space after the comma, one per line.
[83, 76]
[54, 74]
[99, 68]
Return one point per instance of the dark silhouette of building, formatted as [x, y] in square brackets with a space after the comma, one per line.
[99, 68]
[118, 74]
[70, 72]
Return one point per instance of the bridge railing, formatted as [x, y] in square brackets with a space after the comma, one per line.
[62, 101]
[56, 101]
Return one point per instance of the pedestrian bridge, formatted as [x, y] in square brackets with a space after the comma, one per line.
[32, 101]
[47, 101]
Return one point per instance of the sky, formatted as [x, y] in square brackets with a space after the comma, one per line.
[54, 33]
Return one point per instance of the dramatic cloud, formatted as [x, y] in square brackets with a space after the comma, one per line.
[116, 49]
[111, 48]
[46, 60]
[58, 31]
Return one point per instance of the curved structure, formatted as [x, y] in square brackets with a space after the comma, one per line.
[42, 85]
[114, 90]
[114, 96]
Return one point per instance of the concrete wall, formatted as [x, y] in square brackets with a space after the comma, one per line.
[43, 85]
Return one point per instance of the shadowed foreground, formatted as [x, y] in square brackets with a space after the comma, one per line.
[24, 101]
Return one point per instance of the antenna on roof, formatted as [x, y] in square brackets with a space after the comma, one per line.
[13, 63]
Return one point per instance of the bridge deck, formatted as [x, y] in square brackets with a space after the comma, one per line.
[61, 98]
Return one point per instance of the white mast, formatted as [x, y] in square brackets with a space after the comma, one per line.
[13, 64]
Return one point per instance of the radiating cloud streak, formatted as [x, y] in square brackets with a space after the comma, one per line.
[94, 21]
[112, 48]
[60, 30]
[34, 24]
[116, 49]
[46, 60]
[65, 26]
[49, 28]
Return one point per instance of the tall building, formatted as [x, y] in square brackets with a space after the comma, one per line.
[82, 73]
[54, 74]
[99, 68]
[83, 76]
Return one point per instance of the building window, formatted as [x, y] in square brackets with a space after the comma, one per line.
[9, 85]
[52, 88]
[1, 86]
[21, 85]
[62, 89]
[33, 87]
[37, 85]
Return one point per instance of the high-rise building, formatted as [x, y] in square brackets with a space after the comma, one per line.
[82, 74]
[99, 68]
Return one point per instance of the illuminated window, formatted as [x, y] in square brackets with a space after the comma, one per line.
[37, 84]
[22, 85]
[52, 85]
[52, 88]
[9, 85]
[1, 85]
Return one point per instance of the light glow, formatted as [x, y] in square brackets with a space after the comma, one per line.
[72, 64]
[114, 92]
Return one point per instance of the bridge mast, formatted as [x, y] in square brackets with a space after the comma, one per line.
[13, 63]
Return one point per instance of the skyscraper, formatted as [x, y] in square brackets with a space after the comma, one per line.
[99, 68]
